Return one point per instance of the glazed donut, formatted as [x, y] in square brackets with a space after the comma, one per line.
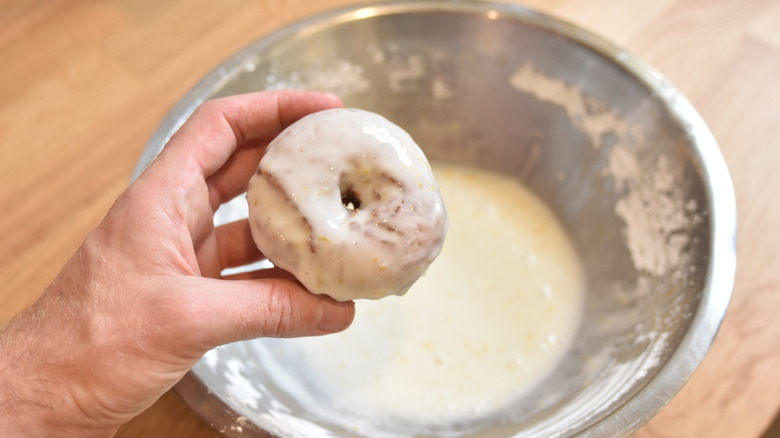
[345, 200]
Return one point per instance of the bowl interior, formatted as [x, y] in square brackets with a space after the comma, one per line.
[581, 124]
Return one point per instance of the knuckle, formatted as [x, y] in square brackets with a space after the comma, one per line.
[279, 319]
[208, 107]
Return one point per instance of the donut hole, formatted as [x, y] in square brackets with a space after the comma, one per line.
[362, 187]
[351, 184]
[350, 199]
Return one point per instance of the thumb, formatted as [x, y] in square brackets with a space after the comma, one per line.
[235, 310]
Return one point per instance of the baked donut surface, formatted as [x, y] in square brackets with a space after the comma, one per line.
[346, 201]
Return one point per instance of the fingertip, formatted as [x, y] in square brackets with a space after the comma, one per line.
[321, 100]
[335, 100]
[334, 316]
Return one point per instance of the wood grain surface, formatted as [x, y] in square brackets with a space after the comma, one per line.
[83, 84]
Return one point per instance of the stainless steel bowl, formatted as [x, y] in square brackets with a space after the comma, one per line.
[620, 156]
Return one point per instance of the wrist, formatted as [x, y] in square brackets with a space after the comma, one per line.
[36, 398]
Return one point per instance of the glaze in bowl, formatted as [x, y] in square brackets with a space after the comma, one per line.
[619, 155]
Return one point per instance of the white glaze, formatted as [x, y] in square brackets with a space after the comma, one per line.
[299, 221]
[493, 316]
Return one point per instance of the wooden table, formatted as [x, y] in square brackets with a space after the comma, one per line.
[83, 84]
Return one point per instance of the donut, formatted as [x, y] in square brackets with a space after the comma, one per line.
[346, 201]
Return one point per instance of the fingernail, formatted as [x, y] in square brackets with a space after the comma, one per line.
[333, 316]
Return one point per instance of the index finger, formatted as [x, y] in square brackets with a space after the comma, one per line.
[218, 127]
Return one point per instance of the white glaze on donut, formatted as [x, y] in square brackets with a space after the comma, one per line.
[346, 201]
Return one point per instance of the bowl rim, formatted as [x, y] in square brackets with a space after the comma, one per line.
[716, 295]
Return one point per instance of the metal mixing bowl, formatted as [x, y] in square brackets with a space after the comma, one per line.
[620, 156]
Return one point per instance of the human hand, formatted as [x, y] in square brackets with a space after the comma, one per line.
[143, 299]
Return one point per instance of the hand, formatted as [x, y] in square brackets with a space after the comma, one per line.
[143, 299]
